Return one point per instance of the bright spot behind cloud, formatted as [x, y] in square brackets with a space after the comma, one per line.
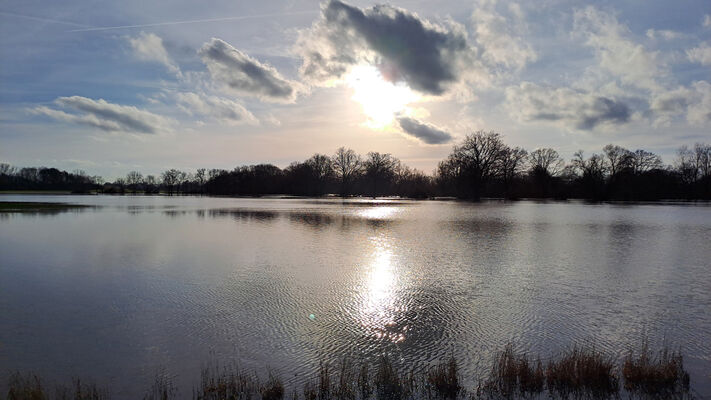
[381, 100]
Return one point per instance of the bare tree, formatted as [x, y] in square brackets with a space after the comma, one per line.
[511, 164]
[7, 169]
[134, 178]
[347, 166]
[642, 161]
[171, 178]
[617, 158]
[685, 165]
[475, 161]
[380, 169]
[546, 161]
[321, 165]
[201, 176]
[594, 166]
[702, 153]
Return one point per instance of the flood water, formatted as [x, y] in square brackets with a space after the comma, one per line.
[144, 285]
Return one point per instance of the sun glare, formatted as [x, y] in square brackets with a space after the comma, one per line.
[381, 100]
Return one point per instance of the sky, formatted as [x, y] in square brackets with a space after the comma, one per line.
[109, 87]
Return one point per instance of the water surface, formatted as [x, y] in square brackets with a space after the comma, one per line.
[140, 285]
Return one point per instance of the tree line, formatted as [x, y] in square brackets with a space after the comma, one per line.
[482, 165]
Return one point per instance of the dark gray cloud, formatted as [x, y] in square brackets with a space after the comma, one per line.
[245, 74]
[580, 109]
[405, 47]
[604, 110]
[425, 132]
[104, 115]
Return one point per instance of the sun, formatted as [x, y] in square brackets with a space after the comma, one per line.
[381, 100]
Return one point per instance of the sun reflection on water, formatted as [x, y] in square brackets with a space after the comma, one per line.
[380, 212]
[379, 309]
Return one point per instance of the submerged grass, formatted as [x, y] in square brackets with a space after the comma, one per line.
[579, 372]
[662, 374]
[582, 370]
[30, 387]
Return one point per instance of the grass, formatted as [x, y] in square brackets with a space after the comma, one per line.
[512, 375]
[30, 387]
[579, 372]
[662, 374]
[582, 370]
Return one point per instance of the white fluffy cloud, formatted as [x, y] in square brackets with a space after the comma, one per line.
[692, 102]
[664, 34]
[617, 54]
[700, 54]
[499, 38]
[582, 110]
[222, 109]
[246, 75]
[149, 47]
[104, 115]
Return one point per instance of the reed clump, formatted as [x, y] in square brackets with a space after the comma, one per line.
[513, 375]
[443, 380]
[582, 370]
[226, 383]
[649, 374]
[579, 372]
[30, 387]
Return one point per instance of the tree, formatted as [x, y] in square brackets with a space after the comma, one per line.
[617, 159]
[380, 170]
[347, 166]
[511, 164]
[201, 178]
[592, 174]
[473, 163]
[6, 169]
[643, 161]
[546, 161]
[171, 178]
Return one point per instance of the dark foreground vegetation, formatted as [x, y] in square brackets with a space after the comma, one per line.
[579, 372]
[27, 206]
[482, 165]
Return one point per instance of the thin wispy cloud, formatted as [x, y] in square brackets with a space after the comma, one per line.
[192, 21]
[47, 20]
[104, 115]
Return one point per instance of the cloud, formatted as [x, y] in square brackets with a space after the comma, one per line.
[244, 74]
[427, 133]
[494, 35]
[616, 54]
[700, 54]
[699, 112]
[222, 109]
[583, 110]
[693, 101]
[707, 21]
[149, 47]
[104, 115]
[664, 34]
[406, 48]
